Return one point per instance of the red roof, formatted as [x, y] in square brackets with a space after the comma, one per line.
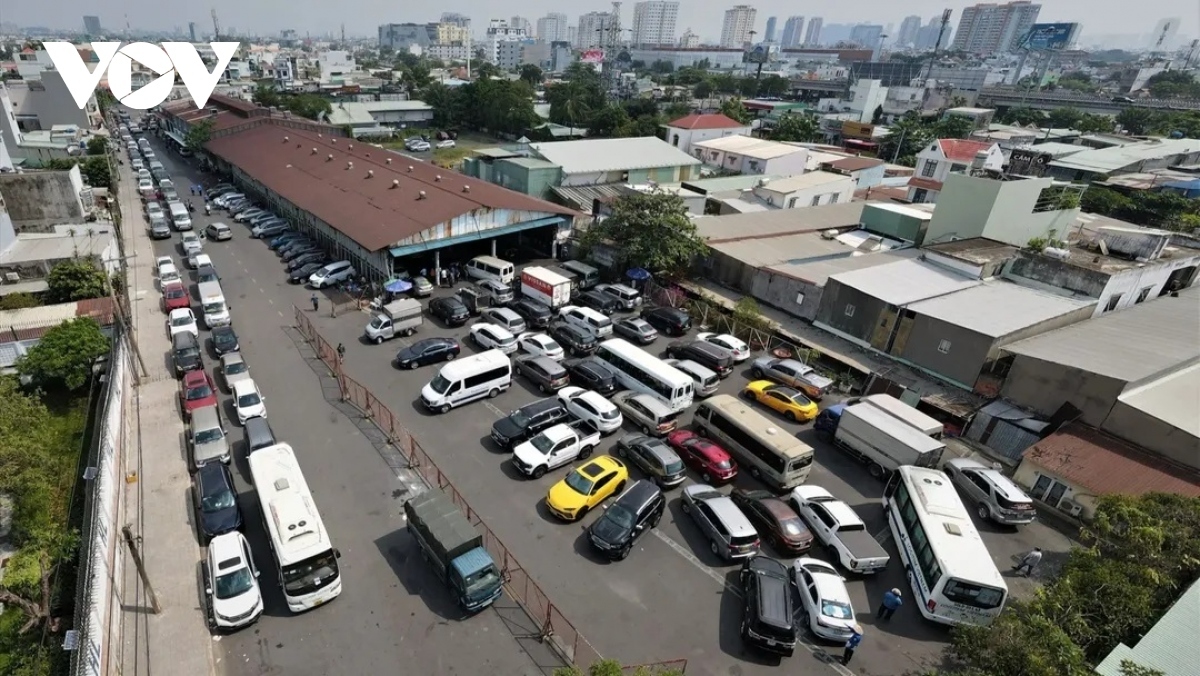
[962, 150]
[311, 171]
[854, 163]
[926, 183]
[711, 121]
[1102, 464]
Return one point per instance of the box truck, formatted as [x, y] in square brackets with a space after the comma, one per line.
[397, 318]
[546, 287]
[877, 438]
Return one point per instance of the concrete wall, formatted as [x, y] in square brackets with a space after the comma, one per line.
[1132, 282]
[838, 299]
[1027, 475]
[684, 138]
[1043, 387]
[37, 201]
[970, 206]
[1153, 434]
[893, 224]
[962, 212]
[797, 297]
[53, 104]
[961, 363]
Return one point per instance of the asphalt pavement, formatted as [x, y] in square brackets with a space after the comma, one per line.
[393, 612]
[670, 599]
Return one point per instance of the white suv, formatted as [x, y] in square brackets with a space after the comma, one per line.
[493, 337]
[231, 585]
[331, 274]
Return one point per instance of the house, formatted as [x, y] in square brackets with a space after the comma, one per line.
[1013, 210]
[794, 192]
[1070, 469]
[950, 156]
[21, 329]
[617, 160]
[746, 155]
[1032, 160]
[1132, 373]
[685, 131]
[1131, 157]
[867, 172]
[1169, 645]
[380, 117]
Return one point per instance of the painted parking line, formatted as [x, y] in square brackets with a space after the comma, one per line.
[493, 409]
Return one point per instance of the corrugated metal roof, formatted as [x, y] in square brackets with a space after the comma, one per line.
[748, 146]
[589, 156]
[1101, 464]
[1144, 341]
[998, 308]
[1169, 646]
[1174, 399]
[905, 282]
[779, 222]
[809, 179]
[1105, 160]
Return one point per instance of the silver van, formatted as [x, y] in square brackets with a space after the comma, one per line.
[180, 216]
[627, 296]
[586, 274]
[587, 319]
[648, 414]
[730, 534]
[206, 438]
[994, 496]
[707, 381]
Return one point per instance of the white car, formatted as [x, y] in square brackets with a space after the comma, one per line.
[168, 274]
[191, 244]
[154, 209]
[419, 147]
[492, 337]
[824, 598]
[145, 187]
[198, 260]
[227, 198]
[448, 143]
[234, 598]
[138, 164]
[540, 345]
[163, 260]
[248, 401]
[740, 350]
[592, 407]
[182, 320]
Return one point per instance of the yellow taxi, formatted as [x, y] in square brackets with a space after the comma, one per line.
[587, 486]
[789, 401]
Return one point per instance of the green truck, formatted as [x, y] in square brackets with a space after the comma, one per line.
[455, 549]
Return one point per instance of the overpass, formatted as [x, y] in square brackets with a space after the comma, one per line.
[1010, 97]
[801, 85]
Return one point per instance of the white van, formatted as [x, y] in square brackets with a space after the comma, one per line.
[213, 305]
[587, 319]
[486, 374]
[490, 267]
[331, 274]
[180, 216]
[588, 276]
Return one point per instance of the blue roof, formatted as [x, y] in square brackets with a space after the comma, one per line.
[473, 561]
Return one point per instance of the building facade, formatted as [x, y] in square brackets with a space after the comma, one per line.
[772, 22]
[989, 28]
[552, 27]
[866, 35]
[793, 32]
[945, 156]
[402, 37]
[907, 36]
[654, 22]
[739, 21]
[812, 36]
[594, 28]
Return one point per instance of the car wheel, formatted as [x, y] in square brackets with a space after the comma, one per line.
[539, 472]
[412, 366]
[444, 408]
[875, 470]
[583, 511]
[706, 478]
[654, 523]
[747, 395]
[756, 473]
[983, 511]
[757, 373]
[712, 544]
[543, 388]
[494, 393]
[620, 487]
[683, 504]
[791, 415]
[621, 452]
[646, 430]
[624, 552]
[450, 355]
[585, 453]
[379, 340]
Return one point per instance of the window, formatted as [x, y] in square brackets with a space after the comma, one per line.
[944, 347]
[958, 167]
[849, 310]
[816, 200]
[1113, 301]
[792, 202]
[1143, 294]
[833, 199]
[675, 141]
[929, 168]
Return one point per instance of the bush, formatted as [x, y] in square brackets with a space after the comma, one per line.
[16, 301]
[63, 358]
[76, 279]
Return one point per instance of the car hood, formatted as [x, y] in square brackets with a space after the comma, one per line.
[238, 605]
[507, 428]
[608, 530]
[186, 360]
[531, 457]
[565, 498]
[212, 450]
[221, 521]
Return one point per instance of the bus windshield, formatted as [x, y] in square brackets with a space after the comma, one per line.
[976, 596]
[311, 574]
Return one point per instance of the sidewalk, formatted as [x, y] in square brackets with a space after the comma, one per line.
[158, 504]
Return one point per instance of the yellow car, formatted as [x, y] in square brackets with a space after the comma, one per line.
[587, 486]
[789, 401]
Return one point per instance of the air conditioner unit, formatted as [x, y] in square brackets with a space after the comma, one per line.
[12, 277]
[1070, 507]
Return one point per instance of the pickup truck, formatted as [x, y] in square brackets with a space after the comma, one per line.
[837, 526]
[397, 318]
[793, 374]
[455, 550]
[556, 446]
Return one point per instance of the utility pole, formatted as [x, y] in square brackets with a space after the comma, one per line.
[216, 26]
[131, 542]
[938, 45]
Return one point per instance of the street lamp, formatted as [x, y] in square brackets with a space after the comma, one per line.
[759, 59]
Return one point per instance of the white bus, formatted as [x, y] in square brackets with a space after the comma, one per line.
[640, 371]
[948, 565]
[307, 562]
[769, 453]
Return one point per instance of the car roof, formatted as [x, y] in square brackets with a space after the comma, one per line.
[211, 472]
[244, 386]
[729, 514]
[655, 406]
[639, 494]
[225, 547]
[191, 376]
[830, 584]
[549, 364]
[541, 405]
[185, 337]
[1003, 484]
[206, 417]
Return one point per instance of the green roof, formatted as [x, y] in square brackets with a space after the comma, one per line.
[1168, 646]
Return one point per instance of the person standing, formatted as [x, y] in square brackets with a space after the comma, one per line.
[315, 302]
[852, 644]
[1029, 562]
[341, 350]
[891, 601]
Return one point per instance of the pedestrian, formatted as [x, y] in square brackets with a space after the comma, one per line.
[1030, 561]
[891, 601]
[445, 275]
[424, 273]
[207, 209]
[852, 644]
[341, 350]
[315, 302]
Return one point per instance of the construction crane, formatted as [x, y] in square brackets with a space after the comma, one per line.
[945, 26]
[216, 26]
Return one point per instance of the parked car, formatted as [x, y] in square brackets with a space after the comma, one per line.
[775, 520]
[825, 599]
[592, 407]
[600, 302]
[793, 373]
[586, 486]
[730, 534]
[501, 294]
[206, 438]
[185, 353]
[534, 313]
[215, 499]
[450, 310]
[248, 402]
[668, 320]
[234, 597]
[224, 340]
[736, 346]
[233, 369]
[426, 351]
[502, 316]
[305, 259]
[543, 372]
[767, 619]
[492, 337]
[706, 458]
[995, 497]
[787, 401]
[301, 274]
[196, 391]
[448, 143]
[218, 232]
[654, 457]
[159, 228]
[647, 413]
[634, 513]
[708, 355]
[247, 214]
[539, 344]
[182, 320]
[279, 240]
[635, 329]
[579, 341]
[523, 423]
[175, 297]
[296, 252]
[592, 374]
[421, 287]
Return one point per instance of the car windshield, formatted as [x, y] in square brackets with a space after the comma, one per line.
[620, 515]
[585, 338]
[482, 580]
[724, 464]
[234, 584]
[542, 443]
[836, 609]
[378, 321]
[507, 342]
[199, 391]
[213, 308]
[235, 367]
[181, 320]
[224, 338]
[311, 574]
[209, 436]
[439, 384]
[216, 502]
[674, 467]
[609, 414]
[176, 293]
[249, 399]
[580, 483]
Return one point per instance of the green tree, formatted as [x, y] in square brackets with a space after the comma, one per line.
[532, 74]
[1104, 201]
[310, 106]
[76, 279]
[574, 101]
[676, 110]
[97, 145]
[1136, 120]
[198, 134]
[653, 231]
[703, 89]
[607, 121]
[662, 67]
[486, 70]
[1077, 80]
[1172, 84]
[96, 171]
[1020, 642]
[16, 301]
[416, 77]
[905, 139]
[1023, 116]
[1129, 668]
[954, 126]
[500, 106]
[734, 109]
[63, 358]
[1064, 118]
[1095, 124]
[774, 85]
[799, 127]
[267, 96]
[748, 87]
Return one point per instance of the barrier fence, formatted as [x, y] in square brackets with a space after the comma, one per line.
[552, 626]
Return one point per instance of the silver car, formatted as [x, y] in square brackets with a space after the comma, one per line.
[995, 496]
[794, 373]
[648, 414]
[206, 438]
[654, 457]
[233, 369]
[730, 534]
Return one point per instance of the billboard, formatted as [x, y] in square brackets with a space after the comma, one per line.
[1050, 37]
[592, 56]
[757, 54]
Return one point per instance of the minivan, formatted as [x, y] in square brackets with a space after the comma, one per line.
[331, 274]
[490, 267]
[486, 374]
[994, 496]
[628, 296]
[730, 534]
[706, 380]
[708, 355]
[767, 619]
[586, 275]
[180, 216]
[600, 302]
[588, 319]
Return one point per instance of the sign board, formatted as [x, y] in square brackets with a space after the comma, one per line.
[857, 130]
[1049, 37]
[592, 56]
[758, 54]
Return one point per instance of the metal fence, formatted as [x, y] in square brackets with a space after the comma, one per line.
[553, 627]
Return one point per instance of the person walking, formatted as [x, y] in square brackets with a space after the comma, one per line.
[315, 302]
[341, 350]
[891, 601]
[1029, 562]
[852, 644]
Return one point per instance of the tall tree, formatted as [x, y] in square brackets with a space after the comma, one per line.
[651, 231]
[76, 279]
[734, 109]
[63, 358]
[607, 121]
[905, 139]
[532, 74]
[1064, 118]
[1136, 121]
[799, 127]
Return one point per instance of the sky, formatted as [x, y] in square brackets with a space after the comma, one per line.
[268, 17]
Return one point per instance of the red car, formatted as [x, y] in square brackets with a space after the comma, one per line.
[713, 463]
[196, 391]
[175, 296]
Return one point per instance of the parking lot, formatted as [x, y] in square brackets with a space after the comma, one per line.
[671, 599]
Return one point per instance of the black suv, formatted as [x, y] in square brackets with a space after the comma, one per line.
[704, 353]
[185, 353]
[600, 302]
[527, 421]
[668, 320]
[216, 501]
[450, 310]
[534, 313]
[767, 621]
[634, 512]
[592, 374]
[578, 341]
